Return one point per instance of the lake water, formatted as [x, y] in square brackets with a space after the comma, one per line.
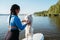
[49, 26]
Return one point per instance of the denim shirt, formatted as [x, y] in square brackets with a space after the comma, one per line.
[15, 21]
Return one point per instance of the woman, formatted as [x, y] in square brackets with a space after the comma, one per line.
[14, 24]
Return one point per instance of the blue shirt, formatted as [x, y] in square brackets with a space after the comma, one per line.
[15, 21]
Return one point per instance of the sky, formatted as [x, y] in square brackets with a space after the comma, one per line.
[27, 6]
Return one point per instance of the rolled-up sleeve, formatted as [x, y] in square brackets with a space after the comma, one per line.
[19, 23]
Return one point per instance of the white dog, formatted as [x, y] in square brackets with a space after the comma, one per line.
[29, 29]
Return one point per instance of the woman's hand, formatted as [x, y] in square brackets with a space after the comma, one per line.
[24, 20]
[28, 23]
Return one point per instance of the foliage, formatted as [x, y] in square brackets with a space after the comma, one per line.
[54, 9]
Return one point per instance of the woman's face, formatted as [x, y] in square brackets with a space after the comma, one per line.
[17, 11]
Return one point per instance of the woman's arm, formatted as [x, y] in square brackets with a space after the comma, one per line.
[19, 24]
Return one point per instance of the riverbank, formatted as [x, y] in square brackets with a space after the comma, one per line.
[47, 15]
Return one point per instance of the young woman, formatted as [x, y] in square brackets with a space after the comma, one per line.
[14, 24]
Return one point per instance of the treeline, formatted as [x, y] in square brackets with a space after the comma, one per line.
[54, 9]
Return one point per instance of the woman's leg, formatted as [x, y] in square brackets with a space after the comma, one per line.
[12, 35]
[15, 35]
[8, 36]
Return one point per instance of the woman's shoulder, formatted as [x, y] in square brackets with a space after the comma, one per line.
[14, 17]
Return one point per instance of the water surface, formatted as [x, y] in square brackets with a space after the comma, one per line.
[49, 26]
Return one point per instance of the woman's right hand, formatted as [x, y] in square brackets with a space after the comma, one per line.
[28, 22]
[24, 21]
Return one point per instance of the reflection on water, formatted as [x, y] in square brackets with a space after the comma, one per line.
[56, 20]
[49, 26]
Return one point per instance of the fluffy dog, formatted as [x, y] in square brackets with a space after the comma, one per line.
[29, 29]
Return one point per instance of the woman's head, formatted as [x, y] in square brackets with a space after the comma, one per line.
[15, 9]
